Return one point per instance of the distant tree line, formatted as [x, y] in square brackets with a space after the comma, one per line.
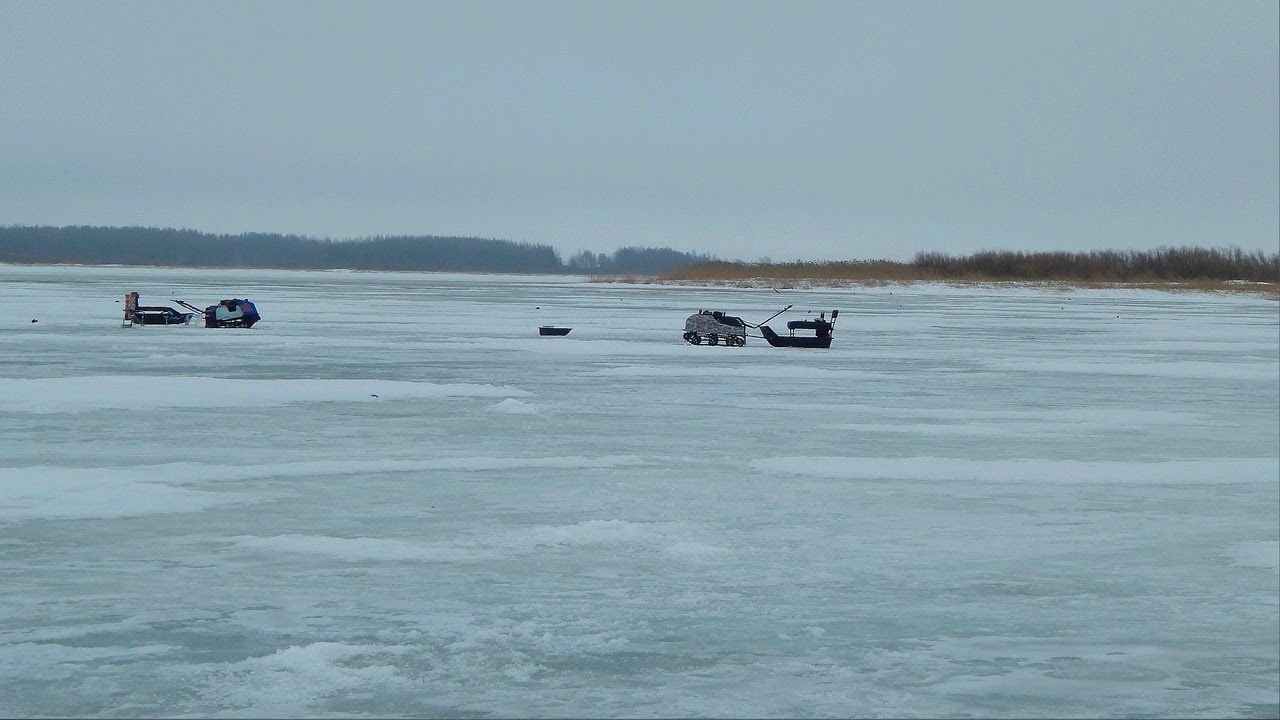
[90, 245]
[644, 261]
[189, 248]
[1161, 265]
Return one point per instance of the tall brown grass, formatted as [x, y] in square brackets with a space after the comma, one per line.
[1194, 268]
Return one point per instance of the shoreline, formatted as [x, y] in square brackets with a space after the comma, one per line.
[1270, 291]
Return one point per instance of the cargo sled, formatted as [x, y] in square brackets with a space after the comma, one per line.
[159, 315]
[135, 314]
[821, 337]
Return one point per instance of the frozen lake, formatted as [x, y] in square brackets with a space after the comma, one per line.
[393, 498]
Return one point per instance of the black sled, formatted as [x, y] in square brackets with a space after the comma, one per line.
[135, 314]
[160, 315]
[821, 337]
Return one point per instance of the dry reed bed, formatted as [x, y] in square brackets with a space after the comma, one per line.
[1269, 290]
[795, 278]
[1176, 269]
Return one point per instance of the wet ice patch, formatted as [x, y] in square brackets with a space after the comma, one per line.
[43, 492]
[674, 540]
[665, 538]
[288, 682]
[695, 551]
[67, 494]
[178, 357]
[591, 532]
[1265, 555]
[43, 479]
[1180, 472]
[511, 406]
[361, 549]
[127, 392]
[720, 371]
[1236, 370]
[53, 661]
[1005, 423]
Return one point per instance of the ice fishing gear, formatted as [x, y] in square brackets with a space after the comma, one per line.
[135, 314]
[227, 313]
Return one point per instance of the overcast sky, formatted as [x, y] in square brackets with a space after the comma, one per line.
[809, 130]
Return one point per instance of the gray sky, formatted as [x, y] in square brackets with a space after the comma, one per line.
[810, 130]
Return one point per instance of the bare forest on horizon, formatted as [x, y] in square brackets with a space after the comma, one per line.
[90, 245]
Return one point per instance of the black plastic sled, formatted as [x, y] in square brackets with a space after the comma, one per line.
[821, 337]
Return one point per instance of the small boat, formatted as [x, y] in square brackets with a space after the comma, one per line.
[553, 330]
[821, 337]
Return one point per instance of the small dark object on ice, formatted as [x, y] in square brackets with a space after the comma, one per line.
[372, 395]
[553, 330]
[34, 320]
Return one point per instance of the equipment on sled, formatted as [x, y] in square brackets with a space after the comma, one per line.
[228, 313]
[135, 314]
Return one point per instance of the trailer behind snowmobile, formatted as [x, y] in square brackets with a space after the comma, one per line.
[821, 337]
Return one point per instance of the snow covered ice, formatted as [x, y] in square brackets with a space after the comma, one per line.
[392, 497]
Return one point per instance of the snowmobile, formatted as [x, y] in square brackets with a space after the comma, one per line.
[228, 313]
[712, 326]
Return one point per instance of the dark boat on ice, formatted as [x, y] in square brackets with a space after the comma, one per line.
[233, 313]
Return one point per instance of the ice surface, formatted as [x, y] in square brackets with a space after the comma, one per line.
[392, 497]
[134, 392]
